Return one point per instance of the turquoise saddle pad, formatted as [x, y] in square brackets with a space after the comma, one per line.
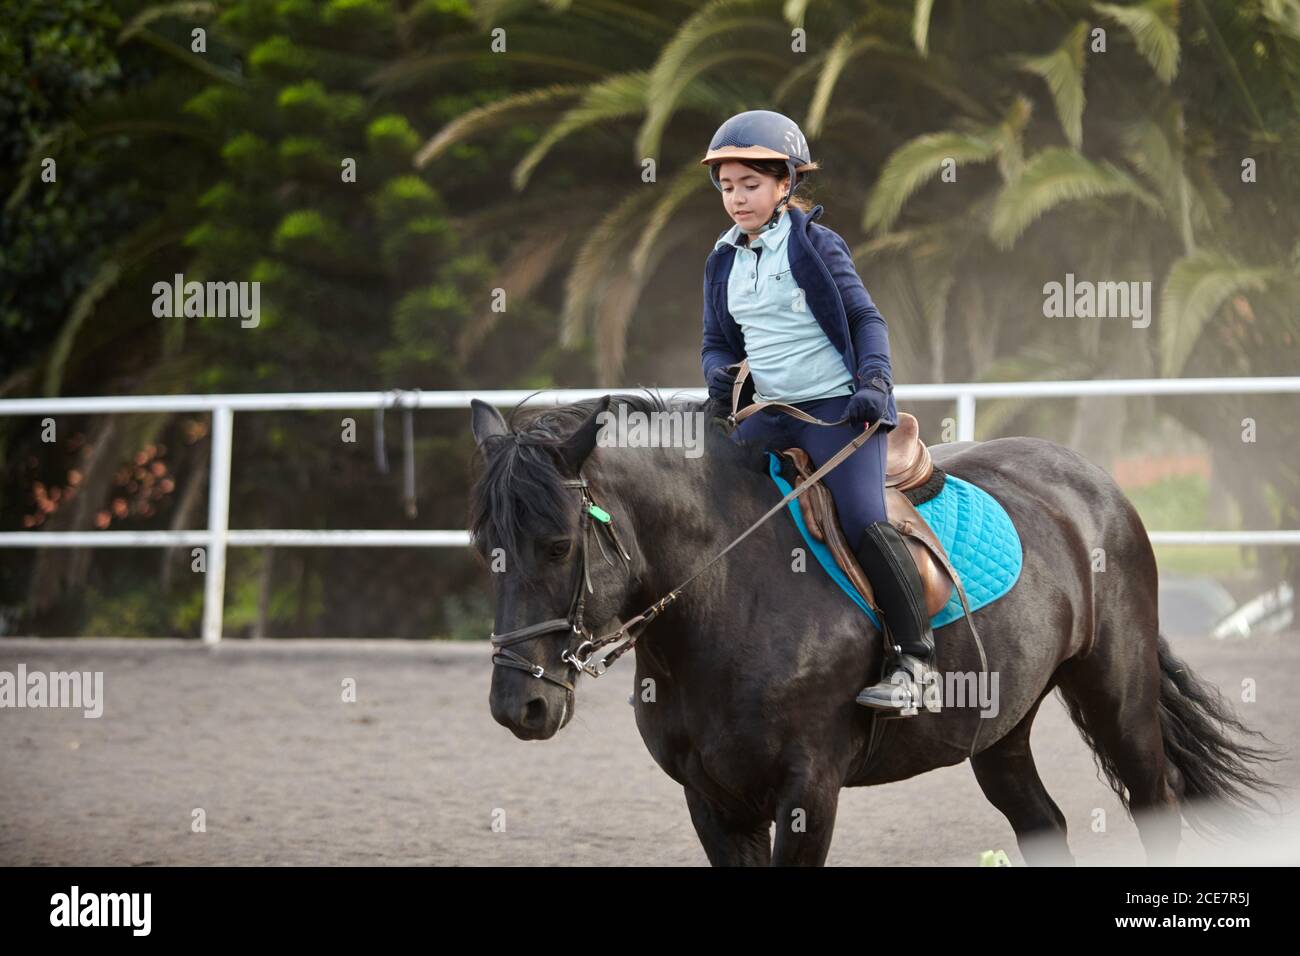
[973, 528]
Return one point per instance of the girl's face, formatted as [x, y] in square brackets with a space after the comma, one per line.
[748, 195]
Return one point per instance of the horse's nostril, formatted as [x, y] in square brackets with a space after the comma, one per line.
[535, 712]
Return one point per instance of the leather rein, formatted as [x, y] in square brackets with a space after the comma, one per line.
[589, 655]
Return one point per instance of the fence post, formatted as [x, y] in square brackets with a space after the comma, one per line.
[214, 585]
[965, 417]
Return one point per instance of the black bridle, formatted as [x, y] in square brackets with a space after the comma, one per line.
[581, 655]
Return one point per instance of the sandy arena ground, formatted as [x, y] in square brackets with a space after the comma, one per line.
[258, 737]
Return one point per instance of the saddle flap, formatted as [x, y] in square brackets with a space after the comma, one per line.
[819, 514]
[927, 551]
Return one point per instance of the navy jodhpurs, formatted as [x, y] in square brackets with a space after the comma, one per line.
[857, 484]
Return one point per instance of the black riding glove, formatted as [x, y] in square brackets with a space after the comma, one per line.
[868, 403]
[720, 381]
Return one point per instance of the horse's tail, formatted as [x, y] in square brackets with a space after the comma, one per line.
[1219, 775]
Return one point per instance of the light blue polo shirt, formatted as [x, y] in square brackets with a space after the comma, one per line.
[790, 357]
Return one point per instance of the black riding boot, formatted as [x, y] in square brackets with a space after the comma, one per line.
[909, 639]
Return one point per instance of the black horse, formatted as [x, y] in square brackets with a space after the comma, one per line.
[746, 684]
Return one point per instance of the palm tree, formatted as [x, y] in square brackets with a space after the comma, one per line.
[1011, 143]
[945, 67]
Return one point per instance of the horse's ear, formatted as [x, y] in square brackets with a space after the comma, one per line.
[485, 421]
[575, 449]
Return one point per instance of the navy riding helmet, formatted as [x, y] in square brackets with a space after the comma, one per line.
[760, 134]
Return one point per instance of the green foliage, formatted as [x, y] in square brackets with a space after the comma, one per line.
[1051, 178]
[1062, 70]
[915, 163]
[360, 17]
[476, 171]
[309, 107]
[307, 235]
[1195, 288]
[392, 137]
[1154, 27]
[1179, 503]
[404, 198]
[139, 612]
[279, 58]
[275, 163]
[248, 154]
[54, 59]
[1182, 503]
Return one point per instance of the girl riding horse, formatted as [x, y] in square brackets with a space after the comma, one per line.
[781, 291]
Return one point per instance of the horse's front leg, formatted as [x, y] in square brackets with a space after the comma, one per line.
[728, 839]
[805, 821]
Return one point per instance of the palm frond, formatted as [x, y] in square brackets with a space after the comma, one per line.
[812, 67]
[613, 297]
[138, 246]
[626, 14]
[1194, 289]
[913, 164]
[1148, 147]
[932, 73]
[194, 61]
[1154, 28]
[423, 68]
[614, 97]
[589, 276]
[104, 279]
[1229, 63]
[534, 257]
[1050, 178]
[188, 10]
[490, 116]
[1284, 15]
[1038, 364]
[690, 52]
[684, 184]
[921, 25]
[490, 13]
[1062, 70]
[660, 110]
[948, 238]
[714, 18]
[1010, 136]
[794, 11]
[844, 49]
[624, 294]
[154, 108]
[52, 142]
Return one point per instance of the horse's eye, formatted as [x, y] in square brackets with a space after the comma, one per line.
[558, 550]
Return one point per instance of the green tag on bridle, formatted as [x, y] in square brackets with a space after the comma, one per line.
[599, 513]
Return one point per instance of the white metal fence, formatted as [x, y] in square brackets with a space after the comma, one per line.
[218, 536]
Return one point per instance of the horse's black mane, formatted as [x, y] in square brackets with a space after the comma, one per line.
[519, 493]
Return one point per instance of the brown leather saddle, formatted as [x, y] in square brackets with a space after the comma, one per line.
[907, 468]
[910, 478]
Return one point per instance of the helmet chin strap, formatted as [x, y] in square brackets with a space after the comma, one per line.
[783, 201]
[776, 215]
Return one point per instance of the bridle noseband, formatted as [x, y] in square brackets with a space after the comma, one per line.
[583, 655]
